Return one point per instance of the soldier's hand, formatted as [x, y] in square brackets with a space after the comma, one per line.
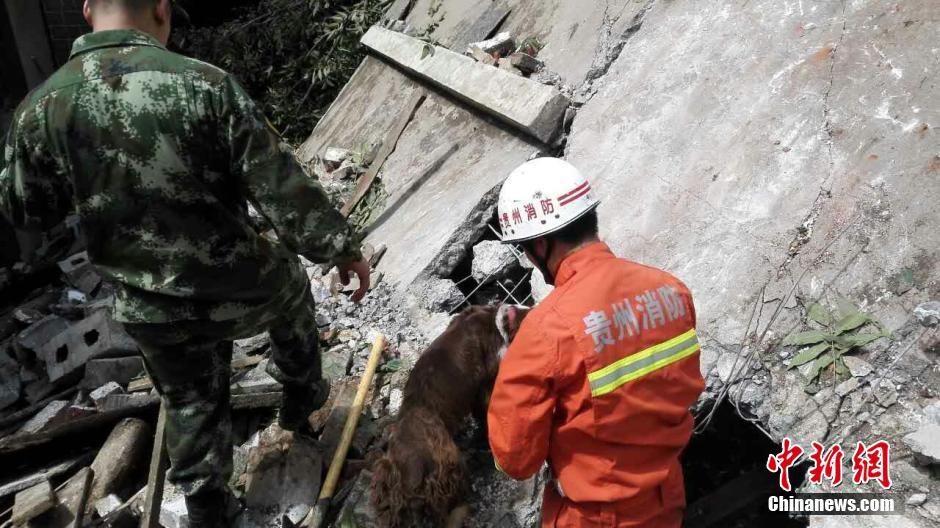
[361, 269]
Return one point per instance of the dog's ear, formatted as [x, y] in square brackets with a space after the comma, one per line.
[509, 318]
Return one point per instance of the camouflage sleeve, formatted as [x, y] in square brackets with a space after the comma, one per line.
[295, 204]
[34, 194]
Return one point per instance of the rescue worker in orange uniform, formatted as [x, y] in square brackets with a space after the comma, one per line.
[599, 380]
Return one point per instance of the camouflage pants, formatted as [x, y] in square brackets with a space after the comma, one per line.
[190, 365]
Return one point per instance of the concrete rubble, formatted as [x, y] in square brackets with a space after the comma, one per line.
[807, 176]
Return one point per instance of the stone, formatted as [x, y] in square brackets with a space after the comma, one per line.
[357, 510]
[173, 512]
[506, 65]
[121, 401]
[107, 504]
[80, 273]
[540, 290]
[886, 394]
[501, 44]
[440, 295]
[727, 364]
[533, 108]
[916, 499]
[526, 63]
[335, 156]
[123, 457]
[99, 372]
[336, 362]
[928, 313]
[254, 345]
[33, 502]
[925, 444]
[256, 380]
[932, 413]
[857, 367]
[27, 316]
[491, 258]
[482, 56]
[283, 470]
[104, 391]
[847, 386]
[395, 398]
[45, 417]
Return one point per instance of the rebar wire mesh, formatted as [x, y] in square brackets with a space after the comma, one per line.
[510, 295]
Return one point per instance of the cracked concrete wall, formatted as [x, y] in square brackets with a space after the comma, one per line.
[767, 152]
[739, 154]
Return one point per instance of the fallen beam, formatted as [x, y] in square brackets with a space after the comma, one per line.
[18, 442]
[33, 502]
[534, 108]
[49, 473]
[388, 146]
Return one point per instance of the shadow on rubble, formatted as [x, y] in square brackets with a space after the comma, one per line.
[726, 479]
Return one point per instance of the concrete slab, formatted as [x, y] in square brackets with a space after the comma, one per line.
[533, 108]
[432, 191]
[712, 152]
[578, 37]
[363, 112]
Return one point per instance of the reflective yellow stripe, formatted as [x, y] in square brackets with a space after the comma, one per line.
[642, 363]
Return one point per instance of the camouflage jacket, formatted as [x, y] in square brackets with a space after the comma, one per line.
[160, 155]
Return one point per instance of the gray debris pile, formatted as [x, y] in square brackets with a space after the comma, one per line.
[502, 52]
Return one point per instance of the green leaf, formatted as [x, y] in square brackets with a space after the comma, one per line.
[820, 364]
[852, 321]
[857, 340]
[808, 354]
[392, 365]
[807, 338]
[819, 313]
[841, 369]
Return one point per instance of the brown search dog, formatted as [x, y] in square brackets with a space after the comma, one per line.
[420, 480]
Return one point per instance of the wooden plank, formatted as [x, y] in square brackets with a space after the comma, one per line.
[83, 498]
[33, 502]
[18, 442]
[140, 384]
[23, 414]
[158, 463]
[27, 481]
[388, 146]
[256, 400]
[243, 363]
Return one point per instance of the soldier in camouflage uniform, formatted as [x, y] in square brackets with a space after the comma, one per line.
[160, 155]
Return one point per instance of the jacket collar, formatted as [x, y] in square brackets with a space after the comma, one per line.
[112, 39]
[580, 259]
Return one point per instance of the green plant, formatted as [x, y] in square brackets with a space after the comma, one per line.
[840, 334]
[530, 46]
[293, 56]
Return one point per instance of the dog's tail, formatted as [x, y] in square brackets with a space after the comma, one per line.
[420, 476]
[387, 497]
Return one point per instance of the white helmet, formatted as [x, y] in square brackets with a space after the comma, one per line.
[542, 196]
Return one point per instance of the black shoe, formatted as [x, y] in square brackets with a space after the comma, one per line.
[212, 509]
[298, 403]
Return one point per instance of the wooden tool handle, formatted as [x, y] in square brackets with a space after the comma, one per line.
[315, 518]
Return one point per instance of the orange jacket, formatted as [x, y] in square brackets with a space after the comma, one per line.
[599, 381]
